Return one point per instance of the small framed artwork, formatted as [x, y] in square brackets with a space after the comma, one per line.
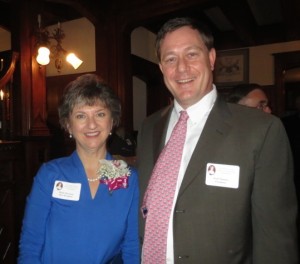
[231, 67]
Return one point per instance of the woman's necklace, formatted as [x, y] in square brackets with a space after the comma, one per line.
[92, 171]
[94, 179]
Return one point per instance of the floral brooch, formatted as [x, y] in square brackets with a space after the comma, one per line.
[114, 173]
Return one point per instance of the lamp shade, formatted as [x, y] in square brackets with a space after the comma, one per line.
[74, 60]
[1, 95]
[43, 57]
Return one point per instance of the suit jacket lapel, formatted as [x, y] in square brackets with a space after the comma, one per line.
[214, 131]
[160, 132]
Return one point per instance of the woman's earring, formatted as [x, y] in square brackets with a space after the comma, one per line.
[70, 136]
[110, 133]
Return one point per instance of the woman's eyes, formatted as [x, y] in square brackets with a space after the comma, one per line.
[101, 114]
[83, 116]
[80, 116]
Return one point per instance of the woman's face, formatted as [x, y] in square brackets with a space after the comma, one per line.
[90, 127]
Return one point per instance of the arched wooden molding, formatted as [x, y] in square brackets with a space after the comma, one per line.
[8, 75]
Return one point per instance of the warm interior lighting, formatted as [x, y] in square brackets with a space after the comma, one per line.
[57, 51]
[1, 95]
[74, 60]
[43, 57]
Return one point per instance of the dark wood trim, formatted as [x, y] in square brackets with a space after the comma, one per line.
[282, 62]
[8, 75]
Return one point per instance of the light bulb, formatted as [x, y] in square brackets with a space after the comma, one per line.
[74, 61]
[43, 57]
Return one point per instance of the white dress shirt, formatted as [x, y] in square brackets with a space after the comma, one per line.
[198, 114]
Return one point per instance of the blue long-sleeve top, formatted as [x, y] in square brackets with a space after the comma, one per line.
[87, 231]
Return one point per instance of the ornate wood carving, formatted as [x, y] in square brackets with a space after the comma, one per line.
[8, 75]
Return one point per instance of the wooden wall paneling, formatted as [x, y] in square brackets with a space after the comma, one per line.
[158, 95]
[60, 145]
[113, 62]
[12, 198]
[282, 62]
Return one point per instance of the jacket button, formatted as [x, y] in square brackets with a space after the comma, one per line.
[180, 211]
[183, 257]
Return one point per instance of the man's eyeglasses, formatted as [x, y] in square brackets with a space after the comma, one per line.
[262, 106]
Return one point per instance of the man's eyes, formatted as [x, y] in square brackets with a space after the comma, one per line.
[189, 56]
[170, 60]
[192, 55]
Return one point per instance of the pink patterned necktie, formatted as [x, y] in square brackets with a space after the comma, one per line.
[158, 199]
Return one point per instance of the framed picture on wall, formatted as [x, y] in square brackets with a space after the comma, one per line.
[231, 67]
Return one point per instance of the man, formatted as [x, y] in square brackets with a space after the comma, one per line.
[251, 95]
[246, 211]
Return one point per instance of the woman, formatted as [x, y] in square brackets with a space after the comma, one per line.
[83, 208]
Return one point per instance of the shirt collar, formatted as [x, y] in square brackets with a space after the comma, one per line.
[199, 109]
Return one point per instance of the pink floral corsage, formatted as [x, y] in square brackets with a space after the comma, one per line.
[114, 173]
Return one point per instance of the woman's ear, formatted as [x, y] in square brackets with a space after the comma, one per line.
[68, 129]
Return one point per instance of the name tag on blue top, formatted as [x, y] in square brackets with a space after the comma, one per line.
[66, 190]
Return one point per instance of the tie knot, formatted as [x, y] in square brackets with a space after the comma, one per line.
[183, 115]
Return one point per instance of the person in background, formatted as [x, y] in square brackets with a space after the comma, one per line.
[251, 95]
[83, 208]
[122, 142]
[244, 212]
[291, 123]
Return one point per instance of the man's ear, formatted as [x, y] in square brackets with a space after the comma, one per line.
[160, 67]
[212, 58]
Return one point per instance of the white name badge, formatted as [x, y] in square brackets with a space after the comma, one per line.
[66, 190]
[222, 175]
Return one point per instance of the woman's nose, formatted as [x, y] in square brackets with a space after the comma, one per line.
[91, 122]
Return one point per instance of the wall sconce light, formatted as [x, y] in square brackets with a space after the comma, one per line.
[43, 57]
[1, 95]
[56, 52]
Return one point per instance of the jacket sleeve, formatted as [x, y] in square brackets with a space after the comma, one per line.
[274, 206]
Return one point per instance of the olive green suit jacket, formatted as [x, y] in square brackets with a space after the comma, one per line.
[254, 223]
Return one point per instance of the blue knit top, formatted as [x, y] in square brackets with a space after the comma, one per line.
[58, 229]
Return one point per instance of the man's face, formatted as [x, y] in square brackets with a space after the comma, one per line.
[258, 99]
[187, 65]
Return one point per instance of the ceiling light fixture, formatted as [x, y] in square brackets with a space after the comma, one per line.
[56, 52]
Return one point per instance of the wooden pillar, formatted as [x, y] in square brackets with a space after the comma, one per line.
[30, 103]
[113, 60]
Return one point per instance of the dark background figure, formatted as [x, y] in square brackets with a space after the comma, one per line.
[251, 95]
[122, 142]
[292, 125]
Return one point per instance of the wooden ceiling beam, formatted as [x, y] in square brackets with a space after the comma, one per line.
[81, 7]
[240, 16]
[290, 13]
